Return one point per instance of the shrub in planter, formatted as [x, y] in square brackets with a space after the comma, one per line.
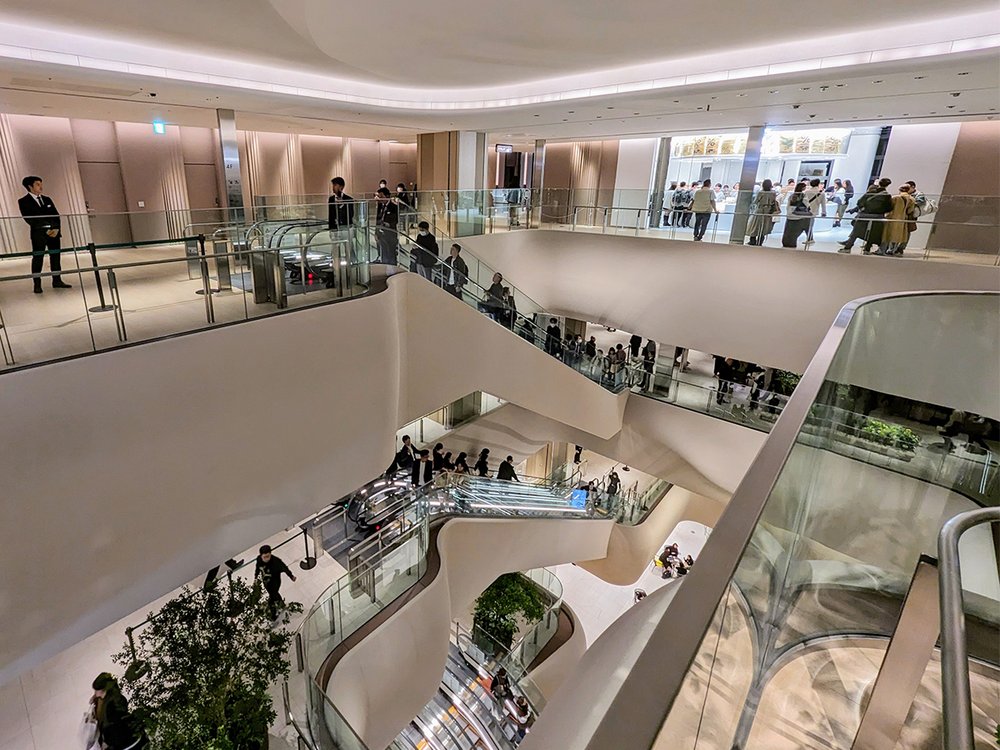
[883, 433]
[208, 660]
[784, 382]
[497, 609]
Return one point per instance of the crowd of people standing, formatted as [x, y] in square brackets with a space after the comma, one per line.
[884, 220]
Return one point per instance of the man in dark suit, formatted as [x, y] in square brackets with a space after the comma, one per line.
[41, 215]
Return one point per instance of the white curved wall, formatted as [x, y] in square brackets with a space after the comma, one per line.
[127, 473]
[387, 678]
[759, 304]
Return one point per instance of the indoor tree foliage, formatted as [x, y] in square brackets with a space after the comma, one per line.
[210, 657]
[498, 607]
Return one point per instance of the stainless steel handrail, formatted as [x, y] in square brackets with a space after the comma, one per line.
[956, 708]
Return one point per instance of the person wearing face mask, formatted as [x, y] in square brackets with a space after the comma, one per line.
[386, 223]
[427, 252]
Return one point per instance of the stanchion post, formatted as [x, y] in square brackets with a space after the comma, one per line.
[104, 306]
[308, 563]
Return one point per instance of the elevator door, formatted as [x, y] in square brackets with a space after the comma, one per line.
[104, 193]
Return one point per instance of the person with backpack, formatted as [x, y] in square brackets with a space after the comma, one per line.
[871, 210]
[681, 202]
[798, 217]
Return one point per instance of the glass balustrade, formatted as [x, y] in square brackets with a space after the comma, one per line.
[800, 629]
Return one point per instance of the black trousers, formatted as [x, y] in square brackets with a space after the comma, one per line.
[274, 600]
[454, 290]
[794, 227]
[701, 220]
[686, 217]
[41, 244]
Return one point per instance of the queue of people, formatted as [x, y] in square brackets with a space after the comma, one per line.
[423, 465]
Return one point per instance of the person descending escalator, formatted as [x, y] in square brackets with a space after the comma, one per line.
[506, 471]
[423, 469]
[482, 465]
[426, 251]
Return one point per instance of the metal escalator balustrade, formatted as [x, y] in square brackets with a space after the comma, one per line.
[393, 561]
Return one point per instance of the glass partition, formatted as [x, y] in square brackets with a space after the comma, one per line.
[839, 537]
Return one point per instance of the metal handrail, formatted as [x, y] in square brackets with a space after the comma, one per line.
[956, 707]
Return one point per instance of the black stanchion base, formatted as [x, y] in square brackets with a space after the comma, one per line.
[102, 308]
[308, 564]
[212, 291]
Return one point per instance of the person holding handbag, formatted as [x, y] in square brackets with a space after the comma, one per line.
[117, 729]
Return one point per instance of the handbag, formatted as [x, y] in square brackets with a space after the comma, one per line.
[801, 208]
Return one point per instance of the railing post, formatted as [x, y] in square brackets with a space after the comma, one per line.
[206, 286]
[955, 689]
[299, 658]
[104, 306]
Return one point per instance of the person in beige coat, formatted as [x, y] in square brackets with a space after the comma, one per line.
[900, 218]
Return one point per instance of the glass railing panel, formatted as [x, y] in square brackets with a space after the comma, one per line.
[836, 545]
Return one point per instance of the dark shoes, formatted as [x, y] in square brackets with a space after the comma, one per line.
[38, 289]
[60, 284]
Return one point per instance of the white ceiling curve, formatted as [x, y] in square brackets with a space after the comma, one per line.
[451, 55]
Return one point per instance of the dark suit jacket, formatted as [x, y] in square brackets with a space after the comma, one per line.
[39, 218]
[340, 213]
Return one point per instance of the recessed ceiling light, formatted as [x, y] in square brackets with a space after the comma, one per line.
[933, 113]
[841, 85]
[714, 97]
[773, 91]
[741, 94]
[804, 88]
[571, 112]
[537, 115]
[919, 78]
[599, 117]
[961, 111]
[565, 120]
[950, 106]
[677, 101]
[964, 74]
[610, 107]
[878, 80]
[906, 114]
[635, 113]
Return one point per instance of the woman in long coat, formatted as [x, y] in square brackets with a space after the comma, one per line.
[763, 208]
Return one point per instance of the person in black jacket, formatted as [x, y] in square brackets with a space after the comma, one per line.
[634, 343]
[423, 469]
[871, 210]
[456, 272]
[553, 338]
[438, 457]
[506, 471]
[340, 207]
[493, 304]
[404, 458]
[268, 569]
[41, 215]
[482, 465]
[117, 729]
[386, 223]
[427, 251]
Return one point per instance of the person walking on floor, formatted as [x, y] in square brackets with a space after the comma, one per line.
[41, 215]
[681, 202]
[870, 223]
[763, 208]
[268, 569]
[116, 727]
[703, 206]
[506, 471]
[423, 469]
[815, 198]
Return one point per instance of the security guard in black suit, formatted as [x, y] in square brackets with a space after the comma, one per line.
[42, 216]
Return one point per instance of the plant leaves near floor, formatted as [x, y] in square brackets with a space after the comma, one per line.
[498, 608]
[212, 657]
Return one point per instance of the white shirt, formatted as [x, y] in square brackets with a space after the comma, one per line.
[816, 204]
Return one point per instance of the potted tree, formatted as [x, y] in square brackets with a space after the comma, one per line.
[200, 671]
[498, 609]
